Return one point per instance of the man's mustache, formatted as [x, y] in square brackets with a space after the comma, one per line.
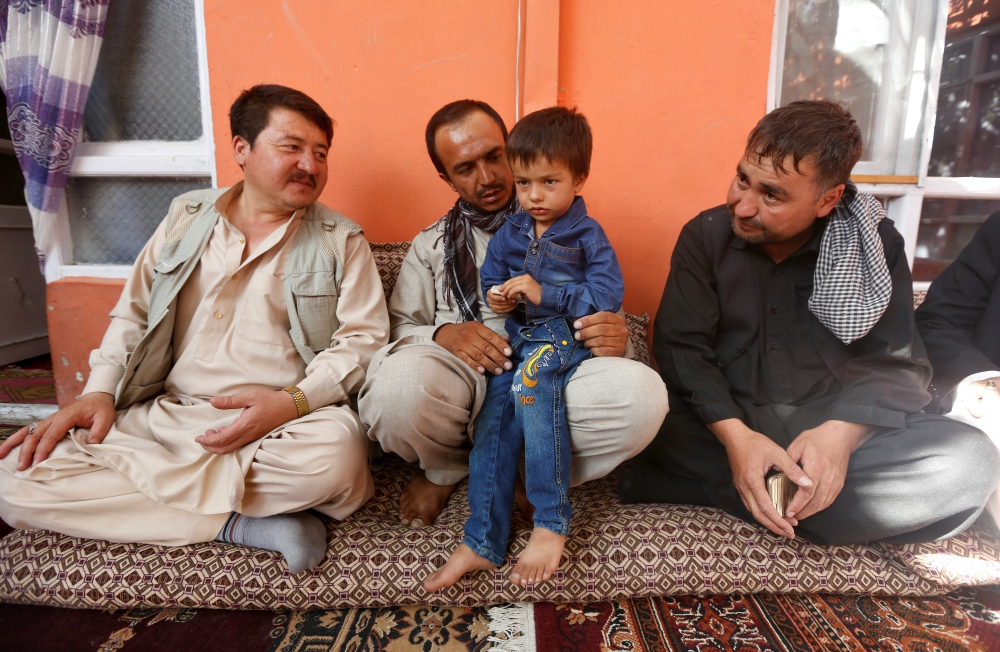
[486, 189]
[303, 176]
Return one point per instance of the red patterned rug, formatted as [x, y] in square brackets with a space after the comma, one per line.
[966, 620]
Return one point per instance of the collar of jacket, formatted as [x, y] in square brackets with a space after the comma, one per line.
[526, 224]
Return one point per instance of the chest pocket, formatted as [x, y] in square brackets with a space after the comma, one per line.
[561, 265]
[315, 295]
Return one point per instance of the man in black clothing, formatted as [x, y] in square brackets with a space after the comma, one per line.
[960, 324]
[786, 339]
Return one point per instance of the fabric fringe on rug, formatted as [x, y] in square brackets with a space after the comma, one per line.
[513, 626]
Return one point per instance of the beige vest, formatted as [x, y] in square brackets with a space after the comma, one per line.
[312, 286]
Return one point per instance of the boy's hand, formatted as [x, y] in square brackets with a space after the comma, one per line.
[498, 303]
[523, 287]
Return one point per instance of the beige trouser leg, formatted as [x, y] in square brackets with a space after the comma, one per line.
[419, 400]
[319, 461]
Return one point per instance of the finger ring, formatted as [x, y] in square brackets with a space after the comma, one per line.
[32, 428]
[991, 384]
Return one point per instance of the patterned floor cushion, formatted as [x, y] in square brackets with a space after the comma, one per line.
[614, 551]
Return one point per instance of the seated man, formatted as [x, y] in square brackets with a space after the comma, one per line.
[424, 391]
[960, 322]
[787, 341]
[183, 433]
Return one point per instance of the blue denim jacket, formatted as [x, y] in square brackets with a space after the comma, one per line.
[572, 261]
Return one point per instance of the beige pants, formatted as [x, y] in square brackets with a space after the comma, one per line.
[319, 461]
[420, 401]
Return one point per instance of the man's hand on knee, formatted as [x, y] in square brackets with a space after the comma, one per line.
[263, 411]
[751, 456]
[95, 411]
[475, 345]
[824, 453]
[604, 333]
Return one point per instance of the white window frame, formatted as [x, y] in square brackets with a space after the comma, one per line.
[905, 200]
[139, 159]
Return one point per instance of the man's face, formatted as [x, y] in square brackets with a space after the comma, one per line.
[770, 206]
[287, 166]
[472, 152]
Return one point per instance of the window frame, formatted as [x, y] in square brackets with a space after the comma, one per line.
[905, 194]
[148, 158]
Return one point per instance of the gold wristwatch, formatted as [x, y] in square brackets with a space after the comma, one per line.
[300, 399]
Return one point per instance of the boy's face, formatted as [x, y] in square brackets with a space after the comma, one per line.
[545, 188]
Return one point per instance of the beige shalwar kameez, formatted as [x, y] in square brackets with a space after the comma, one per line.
[149, 480]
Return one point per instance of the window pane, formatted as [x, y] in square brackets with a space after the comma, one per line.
[967, 128]
[835, 49]
[111, 219]
[946, 226]
[146, 83]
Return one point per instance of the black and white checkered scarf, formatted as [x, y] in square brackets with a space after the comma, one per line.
[851, 285]
[461, 276]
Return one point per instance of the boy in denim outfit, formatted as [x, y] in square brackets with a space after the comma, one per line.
[547, 266]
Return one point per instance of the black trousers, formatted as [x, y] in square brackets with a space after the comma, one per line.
[925, 482]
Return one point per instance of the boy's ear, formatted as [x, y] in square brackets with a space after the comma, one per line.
[578, 183]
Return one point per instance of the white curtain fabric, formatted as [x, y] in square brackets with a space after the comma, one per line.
[48, 53]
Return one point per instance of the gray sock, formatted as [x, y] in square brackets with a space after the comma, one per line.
[300, 537]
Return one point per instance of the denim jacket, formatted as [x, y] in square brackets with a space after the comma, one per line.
[572, 261]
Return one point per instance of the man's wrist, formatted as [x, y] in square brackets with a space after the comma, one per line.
[301, 404]
[729, 431]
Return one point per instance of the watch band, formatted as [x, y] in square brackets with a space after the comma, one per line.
[300, 399]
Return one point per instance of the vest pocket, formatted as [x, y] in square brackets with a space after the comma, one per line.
[315, 295]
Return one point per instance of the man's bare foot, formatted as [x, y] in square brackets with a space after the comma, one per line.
[461, 562]
[521, 500]
[541, 557]
[422, 500]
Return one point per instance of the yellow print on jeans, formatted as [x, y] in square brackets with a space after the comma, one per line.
[529, 372]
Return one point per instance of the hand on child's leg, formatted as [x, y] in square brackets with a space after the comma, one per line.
[462, 561]
[541, 557]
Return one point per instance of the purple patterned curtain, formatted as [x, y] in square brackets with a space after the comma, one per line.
[48, 52]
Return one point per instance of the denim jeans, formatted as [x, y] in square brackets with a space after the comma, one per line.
[524, 407]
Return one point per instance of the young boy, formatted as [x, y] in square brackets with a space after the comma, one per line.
[547, 266]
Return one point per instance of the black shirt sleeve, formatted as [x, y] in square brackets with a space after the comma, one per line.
[955, 306]
[886, 372]
[685, 330]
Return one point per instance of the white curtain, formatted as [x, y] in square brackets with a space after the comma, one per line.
[48, 53]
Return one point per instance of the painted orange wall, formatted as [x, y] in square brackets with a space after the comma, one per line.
[671, 90]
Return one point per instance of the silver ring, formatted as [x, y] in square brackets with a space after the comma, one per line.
[32, 428]
[991, 384]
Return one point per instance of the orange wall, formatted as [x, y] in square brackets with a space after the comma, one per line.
[671, 89]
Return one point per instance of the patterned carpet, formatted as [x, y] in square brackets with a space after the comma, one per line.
[968, 620]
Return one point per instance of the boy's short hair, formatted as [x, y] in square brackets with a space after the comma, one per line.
[820, 129]
[252, 109]
[558, 134]
[453, 113]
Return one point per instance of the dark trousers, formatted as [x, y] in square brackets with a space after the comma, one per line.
[925, 482]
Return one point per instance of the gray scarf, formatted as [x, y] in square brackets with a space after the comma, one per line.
[852, 284]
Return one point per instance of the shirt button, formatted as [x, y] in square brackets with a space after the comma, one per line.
[774, 309]
[234, 276]
[241, 240]
[774, 347]
[776, 272]
[218, 315]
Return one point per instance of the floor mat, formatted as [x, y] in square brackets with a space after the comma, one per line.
[968, 619]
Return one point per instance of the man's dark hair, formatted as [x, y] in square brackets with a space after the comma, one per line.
[251, 110]
[556, 133]
[820, 129]
[450, 114]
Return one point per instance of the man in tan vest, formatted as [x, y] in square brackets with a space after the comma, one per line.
[217, 404]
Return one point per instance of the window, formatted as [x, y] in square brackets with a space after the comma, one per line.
[922, 77]
[147, 135]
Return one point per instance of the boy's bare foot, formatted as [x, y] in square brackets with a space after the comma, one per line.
[541, 557]
[521, 500]
[461, 562]
[421, 501]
